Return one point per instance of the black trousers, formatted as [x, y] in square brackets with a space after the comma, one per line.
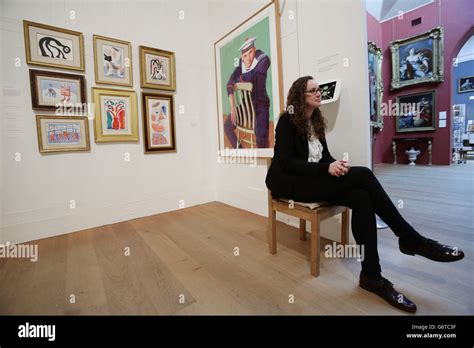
[361, 191]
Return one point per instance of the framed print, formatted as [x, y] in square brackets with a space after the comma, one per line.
[52, 90]
[417, 112]
[248, 82]
[115, 116]
[62, 133]
[157, 69]
[158, 123]
[51, 46]
[375, 85]
[112, 61]
[418, 59]
[466, 84]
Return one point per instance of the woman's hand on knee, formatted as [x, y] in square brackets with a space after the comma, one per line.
[338, 168]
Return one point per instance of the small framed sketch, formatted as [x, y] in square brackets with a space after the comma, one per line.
[466, 84]
[115, 117]
[417, 112]
[158, 123]
[112, 61]
[52, 46]
[62, 133]
[157, 69]
[52, 90]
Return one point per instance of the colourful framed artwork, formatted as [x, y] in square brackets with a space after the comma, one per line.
[418, 59]
[375, 85]
[157, 69]
[112, 61]
[51, 46]
[248, 83]
[52, 90]
[62, 133]
[158, 123]
[466, 84]
[115, 116]
[417, 112]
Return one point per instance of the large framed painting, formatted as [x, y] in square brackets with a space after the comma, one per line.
[115, 117]
[248, 82]
[158, 123]
[51, 46]
[62, 133]
[466, 84]
[157, 69]
[417, 112]
[112, 61]
[418, 59]
[53, 90]
[375, 85]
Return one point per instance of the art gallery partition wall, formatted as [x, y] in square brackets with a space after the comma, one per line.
[37, 189]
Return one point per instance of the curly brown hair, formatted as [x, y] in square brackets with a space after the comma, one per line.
[295, 105]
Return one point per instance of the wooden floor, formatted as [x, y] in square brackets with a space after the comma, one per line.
[183, 262]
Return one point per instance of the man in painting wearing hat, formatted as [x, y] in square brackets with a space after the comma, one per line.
[253, 67]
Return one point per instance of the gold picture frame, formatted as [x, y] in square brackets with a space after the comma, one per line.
[418, 59]
[115, 115]
[159, 128]
[118, 64]
[62, 133]
[375, 85]
[66, 52]
[157, 69]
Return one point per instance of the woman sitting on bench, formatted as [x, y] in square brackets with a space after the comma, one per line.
[303, 170]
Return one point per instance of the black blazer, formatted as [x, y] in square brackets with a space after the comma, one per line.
[290, 159]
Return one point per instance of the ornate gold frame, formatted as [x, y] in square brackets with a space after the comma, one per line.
[377, 52]
[170, 55]
[78, 149]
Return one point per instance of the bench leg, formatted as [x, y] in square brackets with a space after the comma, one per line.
[272, 232]
[302, 229]
[315, 252]
[345, 226]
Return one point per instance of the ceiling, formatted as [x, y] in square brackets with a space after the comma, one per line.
[386, 9]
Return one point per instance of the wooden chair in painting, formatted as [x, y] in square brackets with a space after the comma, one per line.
[245, 118]
[313, 212]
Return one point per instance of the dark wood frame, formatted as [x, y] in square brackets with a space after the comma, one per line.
[146, 142]
[34, 87]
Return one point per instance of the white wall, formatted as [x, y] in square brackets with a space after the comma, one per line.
[37, 190]
[321, 29]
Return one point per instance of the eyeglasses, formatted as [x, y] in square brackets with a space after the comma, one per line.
[314, 91]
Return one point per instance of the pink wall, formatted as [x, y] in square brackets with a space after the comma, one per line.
[457, 17]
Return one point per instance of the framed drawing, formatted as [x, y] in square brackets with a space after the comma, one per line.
[158, 123]
[330, 91]
[62, 133]
[418, 59]
[417, 112]
[112, 61]
[375, 85]
[157, 69]
[52, 90]
[248, 82]
[466, 84]
[52, 46]
[115, 116]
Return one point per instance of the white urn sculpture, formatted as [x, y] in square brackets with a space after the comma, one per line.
[412, 153]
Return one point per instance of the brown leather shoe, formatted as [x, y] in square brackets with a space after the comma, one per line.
[432, 250]
[384, 288]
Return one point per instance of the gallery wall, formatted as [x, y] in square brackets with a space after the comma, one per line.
[456, 18]
[462, 70]
[37, 190]
[307, 50]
